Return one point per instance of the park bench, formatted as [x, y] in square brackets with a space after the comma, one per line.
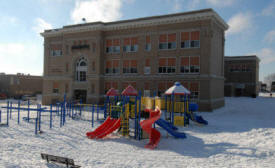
[58, 159]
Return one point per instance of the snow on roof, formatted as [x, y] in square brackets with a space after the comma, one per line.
[177, 89]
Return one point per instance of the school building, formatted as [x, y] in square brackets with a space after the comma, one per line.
[241, 76]
[151, 53]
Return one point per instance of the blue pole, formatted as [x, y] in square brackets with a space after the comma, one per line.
[139, 130]
[51, 116]
[93, 108]
[10, 109]
[8, 104]
[135, 117]
[173, 108]
[28, 119]
[39, 128]
[0, 115]
[18, 114]
[61, 117]
[97, 111]
[36, 126]
[165, 112]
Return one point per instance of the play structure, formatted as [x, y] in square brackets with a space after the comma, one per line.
[145, 112]
[131, 114]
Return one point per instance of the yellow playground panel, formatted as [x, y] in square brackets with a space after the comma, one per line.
[179, 120]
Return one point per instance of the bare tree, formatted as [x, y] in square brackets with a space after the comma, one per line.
[268, 80]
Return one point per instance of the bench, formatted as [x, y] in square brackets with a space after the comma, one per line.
[58, 159]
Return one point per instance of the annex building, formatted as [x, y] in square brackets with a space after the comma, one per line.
[151, 53]
[241, 76]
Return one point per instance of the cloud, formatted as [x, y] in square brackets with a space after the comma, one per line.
[267, 55]
[97, 10]
[270, 37]
[221, 3]
[41, 25]
[17, 57]
[269, 10]
[239, 23]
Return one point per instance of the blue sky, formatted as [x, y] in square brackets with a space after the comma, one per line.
[252, 25]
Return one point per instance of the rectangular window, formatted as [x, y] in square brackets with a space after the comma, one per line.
[190, 64]
[56, 53]
[167, 65]
[112, 67]
[92, 88]
[167, 41]
[194, 88]
[148, 43]
[55, 87]
[113, 46]
[130, 66]
[195, 39]
[147, 68]
[185, 40]
[130, 44]
[82, 76]
[194, 64]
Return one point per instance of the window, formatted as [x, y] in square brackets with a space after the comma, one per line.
[55, 87]
[167, 65]
[109, 85]
[67, 67]
[93, 66]
[66, 88]
[190, 64]
[163, 86]
[148, 43]
[130, 66]
[94, 47]
[190, 39]
[81, 70]
[112, 67]
[167, 41]
[147, 68]
[113, 46]
[56, 53]
[194, 88]
[92, 88]
[130, 44]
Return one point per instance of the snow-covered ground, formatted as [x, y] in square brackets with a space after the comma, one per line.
[241, 134]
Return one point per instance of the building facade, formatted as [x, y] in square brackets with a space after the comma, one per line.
[16, 86]
[241, 76]
[151, 53]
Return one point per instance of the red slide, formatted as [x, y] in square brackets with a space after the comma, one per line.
[154, 134]
[104, 129]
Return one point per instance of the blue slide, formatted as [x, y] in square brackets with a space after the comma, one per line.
[170, 128]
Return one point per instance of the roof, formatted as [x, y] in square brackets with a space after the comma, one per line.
[142, 22]
[129, 91]
[177, 89]
[245, 57]
[112, 92]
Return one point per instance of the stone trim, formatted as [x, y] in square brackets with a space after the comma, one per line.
[141, 22]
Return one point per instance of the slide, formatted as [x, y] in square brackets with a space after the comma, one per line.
[104, 129]
[196, 118]
[154, 134]
[170, 128]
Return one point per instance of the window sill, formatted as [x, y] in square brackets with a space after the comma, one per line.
[190, 48]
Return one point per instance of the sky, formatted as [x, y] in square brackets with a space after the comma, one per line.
[252, 25]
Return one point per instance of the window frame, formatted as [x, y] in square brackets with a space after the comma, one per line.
[167, 43]
[167, 67]
[189, 65]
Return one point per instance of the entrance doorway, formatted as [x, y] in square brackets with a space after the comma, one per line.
[80, 95]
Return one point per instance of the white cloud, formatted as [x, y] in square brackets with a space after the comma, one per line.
[239, 23]
[21, 57]
[41, 25]
[270, 37]
[221, 3]
[269, 10]
[8, 20]
[97, 10]
[267, 55]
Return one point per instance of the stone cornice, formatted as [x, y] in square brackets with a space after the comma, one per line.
[141, 22]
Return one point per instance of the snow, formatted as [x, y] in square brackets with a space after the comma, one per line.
[241, 134]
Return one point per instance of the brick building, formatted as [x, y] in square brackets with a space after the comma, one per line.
[150, 53]
[20, 84]
[241, 76]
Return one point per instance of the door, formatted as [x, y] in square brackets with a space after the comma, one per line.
[80, 95]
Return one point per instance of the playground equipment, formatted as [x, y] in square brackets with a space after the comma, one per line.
[154, 134]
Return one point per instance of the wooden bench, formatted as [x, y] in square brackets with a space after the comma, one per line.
[58, 159]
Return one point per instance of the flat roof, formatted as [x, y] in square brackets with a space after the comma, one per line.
[244, 57]
[142, 22]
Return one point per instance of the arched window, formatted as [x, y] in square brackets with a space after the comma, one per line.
[81, 70]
